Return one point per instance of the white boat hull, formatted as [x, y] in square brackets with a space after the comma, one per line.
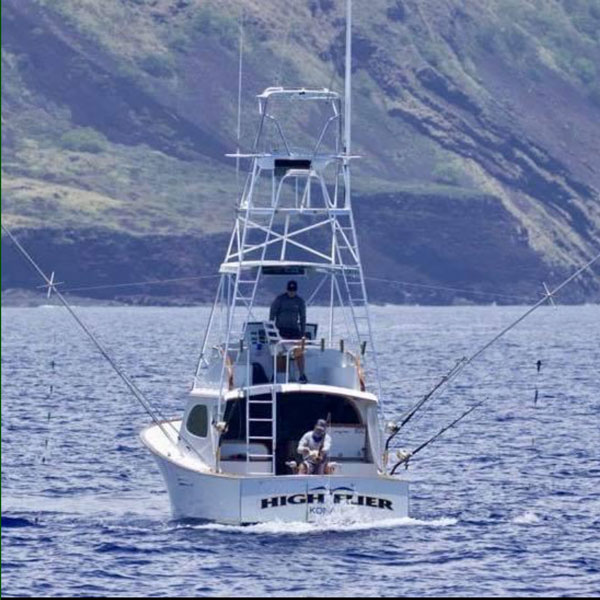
[239, 499]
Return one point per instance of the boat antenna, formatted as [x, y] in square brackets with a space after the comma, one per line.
[348, 82]
[154, 413]
[239, 100]
[463, 362]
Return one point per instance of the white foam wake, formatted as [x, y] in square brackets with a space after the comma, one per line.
[325, 524]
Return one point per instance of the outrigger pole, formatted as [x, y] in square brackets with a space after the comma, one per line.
[463, 362]
[152, 412]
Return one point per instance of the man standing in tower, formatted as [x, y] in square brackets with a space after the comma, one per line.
[288, 311]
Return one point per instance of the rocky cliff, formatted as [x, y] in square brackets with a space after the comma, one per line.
[479, 123]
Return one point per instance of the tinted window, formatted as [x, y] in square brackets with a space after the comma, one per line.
[197, 422]
[297, 412]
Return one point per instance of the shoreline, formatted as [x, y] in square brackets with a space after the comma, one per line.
[22, 298]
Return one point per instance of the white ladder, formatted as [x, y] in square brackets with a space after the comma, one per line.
[261, 429]
[352, 275]
[245, 284]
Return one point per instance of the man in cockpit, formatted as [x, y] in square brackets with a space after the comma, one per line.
[314, 448]
[288, 311]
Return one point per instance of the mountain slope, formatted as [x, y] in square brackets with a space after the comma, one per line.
[479, 123]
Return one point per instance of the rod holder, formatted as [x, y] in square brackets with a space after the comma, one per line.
[341, 345]
[363, 348]
[322, 344]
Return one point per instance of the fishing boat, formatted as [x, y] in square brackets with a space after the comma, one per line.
[232, 457]
[236, 455]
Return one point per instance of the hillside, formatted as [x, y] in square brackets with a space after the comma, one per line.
[478, 121]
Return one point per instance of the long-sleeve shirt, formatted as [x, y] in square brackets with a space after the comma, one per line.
[308, 443]
[288, 313]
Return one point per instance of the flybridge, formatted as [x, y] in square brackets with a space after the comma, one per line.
[294, 218]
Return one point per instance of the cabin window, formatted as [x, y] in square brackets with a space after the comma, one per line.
[197, 422]
[297, 412]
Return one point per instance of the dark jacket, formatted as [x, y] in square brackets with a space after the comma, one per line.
[288, 313]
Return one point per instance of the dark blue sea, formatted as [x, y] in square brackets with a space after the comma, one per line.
[505, 504]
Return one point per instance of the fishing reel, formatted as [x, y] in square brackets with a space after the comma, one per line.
[403, 457]
[391, 427]
[220, 426]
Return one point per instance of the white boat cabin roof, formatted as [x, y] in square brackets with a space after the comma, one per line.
[235, 394]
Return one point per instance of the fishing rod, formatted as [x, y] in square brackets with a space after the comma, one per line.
[322, 444]
[395, 428]
[411, 412]
[406, 456]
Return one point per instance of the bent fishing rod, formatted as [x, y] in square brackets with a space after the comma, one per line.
[463, 362]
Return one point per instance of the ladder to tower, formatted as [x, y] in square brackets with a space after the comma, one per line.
[261, 429]
[245, 284]
[348, 258]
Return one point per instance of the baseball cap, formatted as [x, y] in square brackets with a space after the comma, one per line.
[292, 286]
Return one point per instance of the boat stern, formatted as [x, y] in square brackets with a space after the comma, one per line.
[311, 498]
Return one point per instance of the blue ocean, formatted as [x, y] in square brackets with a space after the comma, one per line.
[507, 503]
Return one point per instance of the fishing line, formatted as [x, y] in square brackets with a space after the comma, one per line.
[379, 279]
[538, 365]
[138, 283]
[451, 289]
[406, 456]
[51, 388]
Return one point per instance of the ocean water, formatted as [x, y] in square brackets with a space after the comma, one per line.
[507, 503]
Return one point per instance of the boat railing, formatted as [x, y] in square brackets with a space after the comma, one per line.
[325, 364]
[292, 350]
[278, 94]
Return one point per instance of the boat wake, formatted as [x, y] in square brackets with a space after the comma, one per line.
[321, 525]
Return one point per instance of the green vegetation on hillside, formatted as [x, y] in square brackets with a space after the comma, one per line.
[117, 115]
